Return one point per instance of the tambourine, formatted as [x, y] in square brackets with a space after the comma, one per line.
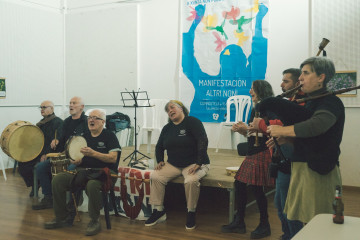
[73, 147]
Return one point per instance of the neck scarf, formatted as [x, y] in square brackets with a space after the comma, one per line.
[46, 119]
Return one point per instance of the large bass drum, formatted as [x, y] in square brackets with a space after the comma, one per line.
[22, 141]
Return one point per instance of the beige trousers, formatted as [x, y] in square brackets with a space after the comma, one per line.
[160, 178]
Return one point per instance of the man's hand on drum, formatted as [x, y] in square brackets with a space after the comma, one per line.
[54, 143]
[160, 165]
[87, 151]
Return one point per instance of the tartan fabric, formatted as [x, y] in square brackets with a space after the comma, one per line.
[255, 170]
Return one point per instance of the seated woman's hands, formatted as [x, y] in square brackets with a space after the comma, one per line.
[194, 169]
[159, 165]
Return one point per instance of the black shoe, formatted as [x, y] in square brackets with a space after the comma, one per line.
[45, 203]
[263, 230]
[284, 237]
[236, 226]
[56, 223]
[190, 221]
[156, 217]
[93, 228]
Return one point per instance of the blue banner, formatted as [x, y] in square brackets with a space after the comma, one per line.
[223, 50]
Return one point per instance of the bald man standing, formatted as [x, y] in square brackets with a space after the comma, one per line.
[49, 124]
[74, 125]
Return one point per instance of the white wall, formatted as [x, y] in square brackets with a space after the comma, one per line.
[289, 44]
[101, 52]
[31, 53]
[157, 56]
[158, 48]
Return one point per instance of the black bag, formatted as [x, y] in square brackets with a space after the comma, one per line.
[273, 169]
[117, 122]
[279, 163]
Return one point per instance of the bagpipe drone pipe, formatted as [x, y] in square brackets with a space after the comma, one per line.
[287, 111]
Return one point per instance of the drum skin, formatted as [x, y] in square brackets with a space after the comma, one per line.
[73, 147]
[22, 141]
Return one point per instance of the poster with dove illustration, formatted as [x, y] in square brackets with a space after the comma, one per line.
[224, 49]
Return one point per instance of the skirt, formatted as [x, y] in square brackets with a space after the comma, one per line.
[310, 193]
[255, 170]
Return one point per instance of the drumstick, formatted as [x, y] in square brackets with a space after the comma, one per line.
[55, 137]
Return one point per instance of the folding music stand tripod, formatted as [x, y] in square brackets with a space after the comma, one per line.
[130, 99]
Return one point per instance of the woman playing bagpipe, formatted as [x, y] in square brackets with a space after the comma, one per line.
[316, 130]
[254, 170]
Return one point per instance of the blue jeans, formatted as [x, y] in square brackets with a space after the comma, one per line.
[71, 167]
[289, 227]
[43, 172]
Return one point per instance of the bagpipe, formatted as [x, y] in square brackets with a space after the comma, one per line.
[290, 112]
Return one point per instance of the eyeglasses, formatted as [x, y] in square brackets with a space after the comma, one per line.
[43, 107]
[93, 118]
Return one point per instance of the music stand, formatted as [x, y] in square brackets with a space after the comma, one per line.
[130, 99]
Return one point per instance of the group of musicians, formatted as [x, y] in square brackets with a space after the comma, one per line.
[309, 143]
[305, 184]
[103, 150]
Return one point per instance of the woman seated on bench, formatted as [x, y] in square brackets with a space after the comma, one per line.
[185, 140]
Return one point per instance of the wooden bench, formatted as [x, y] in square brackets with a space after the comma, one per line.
[216, 176]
